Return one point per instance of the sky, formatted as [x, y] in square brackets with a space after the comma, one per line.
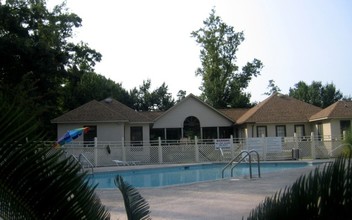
[297, 40]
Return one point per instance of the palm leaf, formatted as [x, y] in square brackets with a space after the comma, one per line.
[323, 194]
[136, 206]
[35, 182]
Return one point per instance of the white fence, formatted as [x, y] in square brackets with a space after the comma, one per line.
[102, 153]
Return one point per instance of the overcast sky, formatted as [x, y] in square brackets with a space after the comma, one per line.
[150, 39]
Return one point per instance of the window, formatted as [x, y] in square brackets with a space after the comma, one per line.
[261, 131]
[299, 130]
[173, 133]
[210, 133]
[225, 132]
[280, 131]
[344, 126]
[320, 130]
[155, 133]
[191, 127]
[88, 138]
[137, 136]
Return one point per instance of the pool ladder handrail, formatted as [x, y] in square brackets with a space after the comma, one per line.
[90, 165]
[248, 154]
[78, 160]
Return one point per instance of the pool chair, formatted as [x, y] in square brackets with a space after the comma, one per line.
[125, 163]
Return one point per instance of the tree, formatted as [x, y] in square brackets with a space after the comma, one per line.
[35, 47]
[145, 100]
[272, 88]
[323, 194]
[181, 95]
[92, 86]
[316, 94]
[37, 182]
[223, 83]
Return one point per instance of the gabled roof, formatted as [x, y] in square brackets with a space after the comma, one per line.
[108, 110]
[234, 113]
[191, 96]
[152, 115]
[340, 109]
[279, 108]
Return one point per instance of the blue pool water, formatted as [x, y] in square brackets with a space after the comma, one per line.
[159, 177]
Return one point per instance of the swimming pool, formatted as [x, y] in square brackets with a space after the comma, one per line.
[178, 175]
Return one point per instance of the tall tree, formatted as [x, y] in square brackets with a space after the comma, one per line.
[146, 100]
[35, 46]
[223, 84]
[92, 86]
[273, 88]
[316, 94]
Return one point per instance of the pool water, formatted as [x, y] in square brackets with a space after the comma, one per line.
[178, 175]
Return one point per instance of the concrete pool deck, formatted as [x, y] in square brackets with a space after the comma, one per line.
[219, 199]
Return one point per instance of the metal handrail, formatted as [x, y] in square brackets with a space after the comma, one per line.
[248, 154]
[81, 155]
[233, 160]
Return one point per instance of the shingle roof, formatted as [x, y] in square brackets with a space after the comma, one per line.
[152, 115]
[279, 108]
[234, 113]
[128, 113]
[340, 109]
[108, 110]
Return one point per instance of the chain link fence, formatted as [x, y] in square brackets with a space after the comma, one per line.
[102, 153]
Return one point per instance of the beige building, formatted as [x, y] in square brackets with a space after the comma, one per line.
[277, 116]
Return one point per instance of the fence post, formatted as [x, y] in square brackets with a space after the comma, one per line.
[196, 148]
[96, 151]
[265, 146]
[160, 151]
[232, 147]
[312, 145]
[123, 149]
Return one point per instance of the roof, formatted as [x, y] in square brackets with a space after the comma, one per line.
[152, 115]
[191, 96]
[279, 108]
[108, 110]
[234, 113]
[340, 109]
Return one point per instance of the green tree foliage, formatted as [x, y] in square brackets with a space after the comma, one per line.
[136, 206]
[316, 94]
[273, 88]
[35, 181]
[35, 47]
[223, 83]
[322, 194]
[347, 141]
[181, 95]
[145, 100]
[92, 86]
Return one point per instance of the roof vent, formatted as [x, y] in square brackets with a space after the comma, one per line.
[108, 100]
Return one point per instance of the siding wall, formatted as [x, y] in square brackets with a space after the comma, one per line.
[191, 107]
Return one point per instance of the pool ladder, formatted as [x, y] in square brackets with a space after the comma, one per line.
[243, 158]
[82, 160]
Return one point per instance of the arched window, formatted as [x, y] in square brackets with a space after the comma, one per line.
[191, 127]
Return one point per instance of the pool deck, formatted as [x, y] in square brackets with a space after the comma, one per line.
[219, 199]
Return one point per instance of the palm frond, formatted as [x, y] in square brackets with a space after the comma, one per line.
[323, 194]
[35, 182]
[136, 206]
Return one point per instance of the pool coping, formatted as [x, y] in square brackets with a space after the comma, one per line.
[217, 199]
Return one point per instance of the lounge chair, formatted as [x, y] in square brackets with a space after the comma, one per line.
[125, 163]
